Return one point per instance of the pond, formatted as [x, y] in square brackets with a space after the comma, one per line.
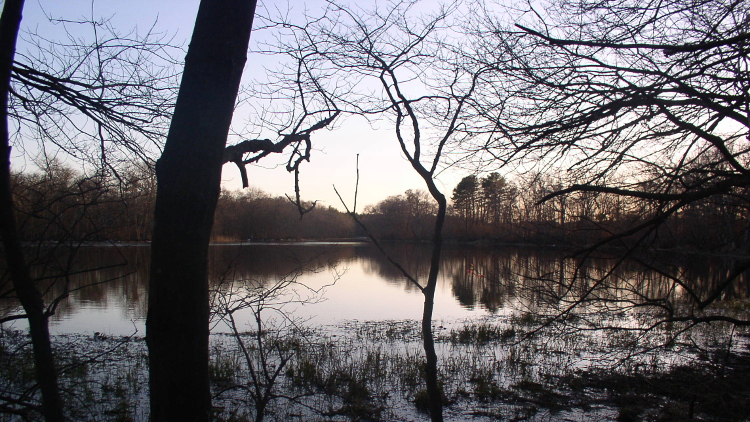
[343, 281]
[351, 321]
[346, 281]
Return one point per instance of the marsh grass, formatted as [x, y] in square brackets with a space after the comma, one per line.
[485, 385]
[224, 365]
[480, 333]
[100, 378]
[347, 381]
[368, 372]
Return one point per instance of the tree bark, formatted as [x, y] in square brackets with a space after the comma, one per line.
[188, 183]
[29, 296]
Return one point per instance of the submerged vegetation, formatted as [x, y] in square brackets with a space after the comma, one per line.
[373, 371]
[526, 359]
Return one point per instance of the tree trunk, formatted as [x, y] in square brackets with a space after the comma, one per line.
[434, 395]
[188, 178]
[29, 296]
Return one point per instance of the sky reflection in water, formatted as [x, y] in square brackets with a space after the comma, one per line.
[356, 282]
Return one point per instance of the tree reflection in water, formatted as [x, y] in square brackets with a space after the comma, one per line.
[505, 331]
[475, 282]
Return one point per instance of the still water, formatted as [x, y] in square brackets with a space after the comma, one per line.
[334, 283]
[358, 314]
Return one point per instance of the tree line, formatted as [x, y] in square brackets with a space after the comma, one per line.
[61, 204]
[524, 210]
[494, 208]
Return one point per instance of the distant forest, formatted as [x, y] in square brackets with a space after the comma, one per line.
[59, 204]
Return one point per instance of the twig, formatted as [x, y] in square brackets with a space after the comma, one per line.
[377, 244]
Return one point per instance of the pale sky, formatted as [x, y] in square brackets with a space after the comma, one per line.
[383, 170]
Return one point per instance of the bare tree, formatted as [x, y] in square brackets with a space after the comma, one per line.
[29, 296]
[388, 64]
[57, 96]
[97, 97]
[188, 186]
[268, 349]
[647, 101]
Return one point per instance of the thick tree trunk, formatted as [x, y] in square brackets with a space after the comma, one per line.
[29, 296]
[188, 178]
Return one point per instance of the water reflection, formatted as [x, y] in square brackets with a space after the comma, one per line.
[108, 292]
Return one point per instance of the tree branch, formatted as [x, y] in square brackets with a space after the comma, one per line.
[669, 49]
[236, 153]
